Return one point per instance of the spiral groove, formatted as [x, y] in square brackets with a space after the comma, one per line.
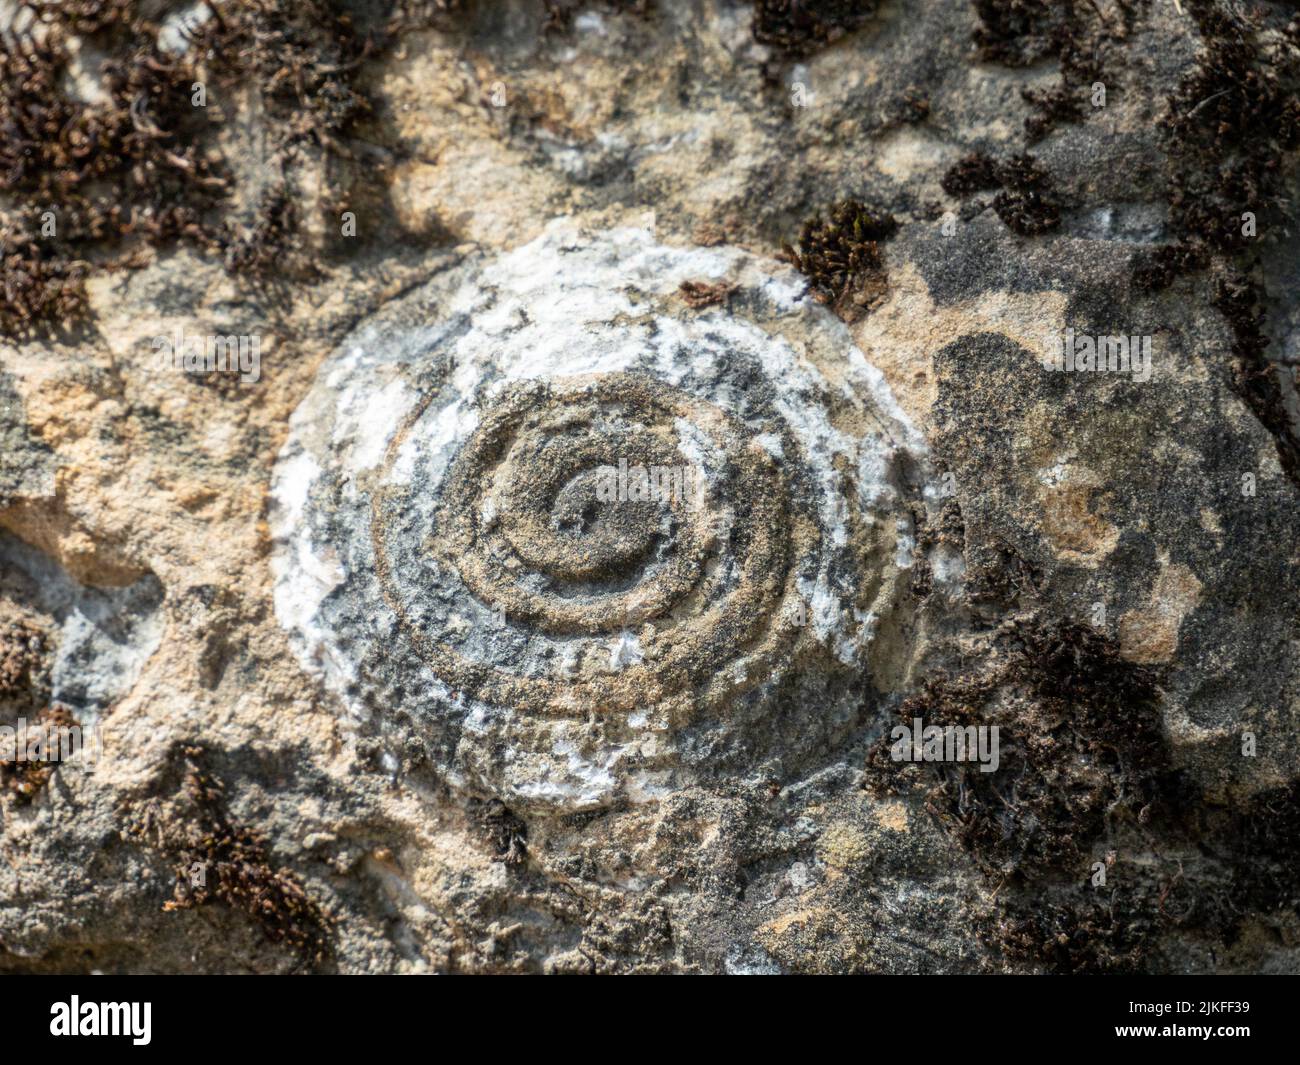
[699, 575]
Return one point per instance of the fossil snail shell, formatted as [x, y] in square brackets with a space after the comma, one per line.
[561, 538]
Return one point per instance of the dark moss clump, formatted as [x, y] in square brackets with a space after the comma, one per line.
[1019, 33]
[1086, 778]
[1254, 378]
[1156, 270]
[949, 527]
[36, 287]
[1209, 871]
[24, 694]
[46, 732]
[257, 249]
[1232, 138]
[972, 173]
[797, 28]
[1232, 132]
[840, 256]
[303, 57]
[1080, 736]
[909, 108]
[95, 172]
[557, 15]
[1083, 763]
[922, 582]
[1084, 929]
[129, 163]
[1077, 663]
[1027, 203]
[1052, 106]
[1231, 121]
[135, 167]
[22, 664]
[506, 831]
[999, 577]
[236, 868]
[1265, 837]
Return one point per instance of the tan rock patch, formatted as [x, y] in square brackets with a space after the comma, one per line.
[904, 333]
[893, 815]
[1150, 635]
[1070, 498]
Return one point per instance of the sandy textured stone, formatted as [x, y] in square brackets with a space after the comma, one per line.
[481, 720]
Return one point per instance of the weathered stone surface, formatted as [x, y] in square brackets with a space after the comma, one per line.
[364, 638]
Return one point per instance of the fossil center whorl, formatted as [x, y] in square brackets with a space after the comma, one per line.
[589, 509]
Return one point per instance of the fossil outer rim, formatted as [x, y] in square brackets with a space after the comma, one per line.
[397, 506]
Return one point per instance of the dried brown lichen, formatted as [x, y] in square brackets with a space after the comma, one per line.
[699, 294]
[22, 658]
[47, 728]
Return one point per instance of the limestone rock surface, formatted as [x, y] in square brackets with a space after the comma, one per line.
[652, 413]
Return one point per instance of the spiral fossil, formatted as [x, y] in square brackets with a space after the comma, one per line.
[567, 538]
